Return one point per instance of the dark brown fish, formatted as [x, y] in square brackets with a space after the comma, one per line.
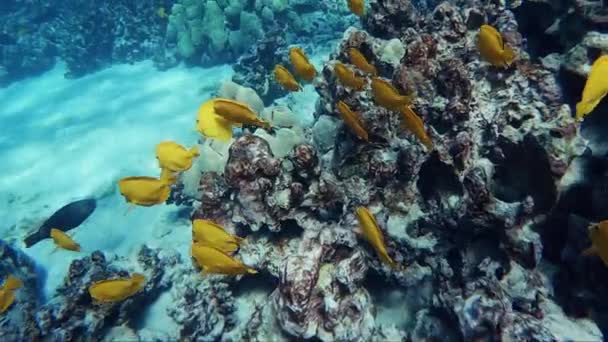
[68, 217]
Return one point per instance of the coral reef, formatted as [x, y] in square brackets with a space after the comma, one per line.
[254, 68]
[486, 228]
[87, 35]
[213, 31]
[465, 219]
[18, 321]
[71, 316]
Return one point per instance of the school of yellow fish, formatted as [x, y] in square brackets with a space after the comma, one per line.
[212, 247]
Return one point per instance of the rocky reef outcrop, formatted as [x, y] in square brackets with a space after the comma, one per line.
[465, 220]
[86, 35]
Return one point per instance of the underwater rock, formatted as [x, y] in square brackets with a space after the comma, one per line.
[203, 307]
[250, 172]
[18, 321]
[254, 68]
[310, 303]
[71, 312]
[67, 217]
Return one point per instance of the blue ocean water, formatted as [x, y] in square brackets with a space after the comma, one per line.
[419, 171]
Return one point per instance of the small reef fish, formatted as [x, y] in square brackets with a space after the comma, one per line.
[347, 77]
[216, 118]
[357, 7]
[387, 96]
[357, 59]
[286, 79]
[174, 157]
[352, 120]
[595, 89]
[116, 290]
[67, 217]
[144, 191]
[214, 235]
[492, 47]
[303, 68]
[414, 124]
[238, 113]
[7, 292]
[213, 260]
[598, 234]
[64, 241]
[373, 234]
[211, 124]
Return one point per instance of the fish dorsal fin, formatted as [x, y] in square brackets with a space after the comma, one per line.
[210, 223]
[233, 103]
[225, 104]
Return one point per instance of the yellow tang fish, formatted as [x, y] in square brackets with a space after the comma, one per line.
[64, 241]
[352, 120]
[596, 87]
[492, 48]
[116, 290]
[211, 124]
[209, 233]
[414, 124]
[174, 157]
[357, 59]
[7, 292]
[347, 77]
[357, 7]
[598, 234]
[301, 65]
[144, 191]
[373, 234]
[285, 78]
[387, 96]
[212, 260]
[238, 113]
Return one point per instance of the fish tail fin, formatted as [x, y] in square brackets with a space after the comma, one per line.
[407, 100]
[12, 283]
[388, 260]
[584, 108]
[508, 55]
[194, 151]
[426, 141]
[267, 125]
[240, 240]
[31, 240]
[138, 279]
